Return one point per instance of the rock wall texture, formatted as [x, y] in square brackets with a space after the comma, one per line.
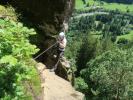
[56, 88]
[49, 17]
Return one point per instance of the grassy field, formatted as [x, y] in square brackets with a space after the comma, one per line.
[126, 36]
[79, 4]
[109, 6]
[121, 7]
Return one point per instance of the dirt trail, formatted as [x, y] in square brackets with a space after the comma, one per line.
[56, 88]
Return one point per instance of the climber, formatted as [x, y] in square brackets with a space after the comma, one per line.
[61, 48]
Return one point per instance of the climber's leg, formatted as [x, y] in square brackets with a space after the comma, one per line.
[59, 56]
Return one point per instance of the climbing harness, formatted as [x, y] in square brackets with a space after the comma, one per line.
[45, 50]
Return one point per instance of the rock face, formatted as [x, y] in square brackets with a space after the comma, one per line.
[49, 17]
[56, 88]
[48, 14]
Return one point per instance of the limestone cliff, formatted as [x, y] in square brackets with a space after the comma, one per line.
[56, 88]
[48, 16]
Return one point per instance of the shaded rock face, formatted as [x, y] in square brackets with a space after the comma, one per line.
[49, 17]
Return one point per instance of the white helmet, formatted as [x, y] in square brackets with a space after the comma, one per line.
[61, 34]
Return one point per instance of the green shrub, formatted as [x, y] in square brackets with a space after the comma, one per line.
[111, 75]
[15, 58]
[81, 85]
[122, 41]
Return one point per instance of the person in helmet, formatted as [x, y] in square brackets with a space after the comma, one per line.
[62, 42]
[61, 48]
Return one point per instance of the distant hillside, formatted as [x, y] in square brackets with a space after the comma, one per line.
[119, 1]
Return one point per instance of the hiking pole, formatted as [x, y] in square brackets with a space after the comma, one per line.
[45, 50]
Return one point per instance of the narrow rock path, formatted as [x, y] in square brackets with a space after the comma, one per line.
[56, 88]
